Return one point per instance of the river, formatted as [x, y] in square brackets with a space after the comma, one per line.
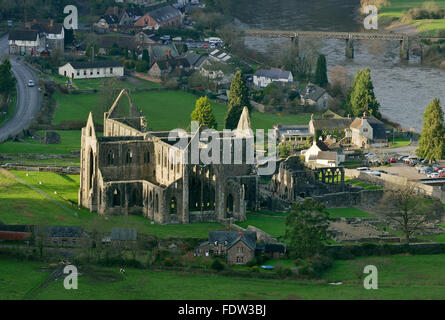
[403, 89]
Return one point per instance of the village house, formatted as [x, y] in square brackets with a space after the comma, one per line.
[219, 55]
[59, 236]
[164, 67]
[320, 155]
[165, 17]
[158, 52]
[51, 34]
[92, 70]
[296, 134]
[262, 78]
[237, 247]
[122, 16]
[24, 42]
[316, 96]
[337, 126]
[195, 60]
[368, 131]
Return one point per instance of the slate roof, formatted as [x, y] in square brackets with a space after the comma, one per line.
[96, 64]
[111, 19]
[321, 145]
[232, 237]
[174, 63]
[61, 231]
[164, 14]
[24, 35]
[195, 59]
[123, 234]
[157, 51]
[327, 155]
[331, 124]
[378, 128]
[273, 73]
[314, 93]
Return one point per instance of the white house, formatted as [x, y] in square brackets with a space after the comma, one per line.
[368, 131]
[24, 42]
[262, 78]
[319, 155]
[52, 34]
[90, 70]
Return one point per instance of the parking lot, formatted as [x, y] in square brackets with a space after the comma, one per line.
[402, 170]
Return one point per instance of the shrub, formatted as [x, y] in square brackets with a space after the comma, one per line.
[218, 264]
[254, 269]
[282, 271]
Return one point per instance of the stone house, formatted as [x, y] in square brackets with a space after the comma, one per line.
[92, 70]
[297, 134]
[195, 60]
[333, 127]
[161, 52]
[368, 131]
[163, 68]
[236, 247]
[24, 42]
[130, 170]
[262, 78]
[60, 236]
[167, 16]
[316, 96]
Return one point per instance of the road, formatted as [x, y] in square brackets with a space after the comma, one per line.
[29, 99]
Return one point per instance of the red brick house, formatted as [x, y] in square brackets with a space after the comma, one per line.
[163, 17]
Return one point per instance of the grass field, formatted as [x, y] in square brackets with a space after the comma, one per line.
[400, 142]
[425, 26]
[273, 226]
[165, 110]
[97, 84]
[70, 140]
[399, 277]
[19, 204]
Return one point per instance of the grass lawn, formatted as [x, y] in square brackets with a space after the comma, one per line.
[399, 277]
[395, 11]
[165, 110]
[362, 184]
[348, 213]
[70, 140]
[400, 142]
[23, 205]
[96, 84]
[274, 226]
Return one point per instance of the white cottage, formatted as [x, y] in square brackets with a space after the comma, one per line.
[91, 70]
[24, 42]
[262, 78]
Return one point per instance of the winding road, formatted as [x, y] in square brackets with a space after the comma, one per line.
[29, 99]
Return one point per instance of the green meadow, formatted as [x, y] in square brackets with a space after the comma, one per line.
[52, 199]
[399, 277]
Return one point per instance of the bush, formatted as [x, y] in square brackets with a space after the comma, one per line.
[254, 269]
[142, 66]
[282, 271]
[218, 264]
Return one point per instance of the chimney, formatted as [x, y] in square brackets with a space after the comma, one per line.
[168, 53]
[240, 234]
[51, 23]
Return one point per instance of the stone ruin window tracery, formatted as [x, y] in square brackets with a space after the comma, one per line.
[110, 158]
[116, 198]
[129, 157]
[146, 157]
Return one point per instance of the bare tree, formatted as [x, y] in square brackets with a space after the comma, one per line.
[410, 211]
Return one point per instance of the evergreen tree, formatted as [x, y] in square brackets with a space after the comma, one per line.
[203, 113]
[432, 138]
[238, 99]
[145, 56]
[321, 72]
[7, 80]
[362, 95]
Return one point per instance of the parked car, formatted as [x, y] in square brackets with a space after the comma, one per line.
[392, 160]
[363, 169]
[433, 175]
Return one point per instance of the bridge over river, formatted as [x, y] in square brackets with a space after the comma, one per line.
[350, 37]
